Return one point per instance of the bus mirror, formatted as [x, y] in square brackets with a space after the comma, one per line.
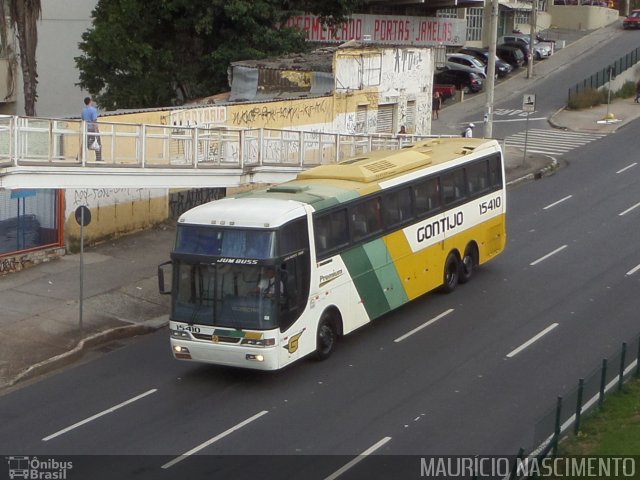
[164, 269]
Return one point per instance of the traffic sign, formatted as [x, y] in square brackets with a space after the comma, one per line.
[83, 215]
[529, 102]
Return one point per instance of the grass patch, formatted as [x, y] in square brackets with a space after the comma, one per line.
[613, 431]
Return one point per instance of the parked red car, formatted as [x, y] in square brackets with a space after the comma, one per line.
[632, 21]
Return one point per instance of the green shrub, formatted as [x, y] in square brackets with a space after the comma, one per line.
[587, 98]
[627, 90]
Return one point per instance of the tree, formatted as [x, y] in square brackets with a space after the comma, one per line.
[149, 53]
[22, 17]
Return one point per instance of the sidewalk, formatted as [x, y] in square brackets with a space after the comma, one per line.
[39, 325]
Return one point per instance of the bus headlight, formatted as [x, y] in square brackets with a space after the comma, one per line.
[179, 334]
[181, 352]
[255, 358]
[263, 342]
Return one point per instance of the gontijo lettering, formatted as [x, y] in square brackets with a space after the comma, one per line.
[437, 227]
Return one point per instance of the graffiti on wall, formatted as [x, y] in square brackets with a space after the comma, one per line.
[268, 115]
[91, 196]
[12, 264]
[180, 202]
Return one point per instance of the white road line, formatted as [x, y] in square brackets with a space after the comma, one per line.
[556, 203]
[213, 440]
[629, 209]
[98, 415]
[627, 167]
[534, 339]
[358, 459]
[426, 324]
[535, 262]
[633, 270]
[524, 119]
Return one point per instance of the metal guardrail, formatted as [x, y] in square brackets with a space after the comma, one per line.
[31, 141]
[601, 77]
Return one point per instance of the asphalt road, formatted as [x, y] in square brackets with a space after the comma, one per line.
[454, 387]
[468, 383]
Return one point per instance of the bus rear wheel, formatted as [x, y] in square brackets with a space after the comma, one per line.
[468, 264]
[451, 273]
[325, 338]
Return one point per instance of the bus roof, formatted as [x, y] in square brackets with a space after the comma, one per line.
[327, 185]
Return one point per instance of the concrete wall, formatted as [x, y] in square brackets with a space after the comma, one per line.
[582, 17]
[114, 212]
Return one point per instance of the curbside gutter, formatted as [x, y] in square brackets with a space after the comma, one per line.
[83, 345]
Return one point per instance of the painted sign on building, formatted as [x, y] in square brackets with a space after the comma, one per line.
[385, 29]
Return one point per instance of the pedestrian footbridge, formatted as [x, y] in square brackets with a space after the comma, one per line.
[53, 153]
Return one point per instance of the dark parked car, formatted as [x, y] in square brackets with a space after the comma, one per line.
[523, 48]
[465, 81]
[512, 55]
[632, 21]
[482, 54]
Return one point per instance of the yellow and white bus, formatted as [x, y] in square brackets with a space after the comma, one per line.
[264, 278]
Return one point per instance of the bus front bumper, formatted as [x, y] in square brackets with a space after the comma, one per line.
[265, 358]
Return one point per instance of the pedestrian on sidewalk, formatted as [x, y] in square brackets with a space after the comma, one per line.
[435, 105]
[90, 115]
[638, 92]
[468, 132]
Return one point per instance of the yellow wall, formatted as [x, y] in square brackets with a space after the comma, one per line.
[142, 211]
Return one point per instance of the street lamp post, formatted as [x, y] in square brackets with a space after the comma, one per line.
[491, 70]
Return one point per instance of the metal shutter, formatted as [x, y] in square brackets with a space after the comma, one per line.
[385, 118]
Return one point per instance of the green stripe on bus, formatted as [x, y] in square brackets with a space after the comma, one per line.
[366, 281]
[386, 272]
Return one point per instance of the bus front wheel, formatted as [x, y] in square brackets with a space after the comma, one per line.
[326, 338]
[451, 273]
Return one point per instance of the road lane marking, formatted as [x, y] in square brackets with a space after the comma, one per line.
[556, 203]
[426, 324]
[213, 440]
[98, 415]
[535, 262]
[513, 353]
[627, 167]
[633, 270]
[629, 209]
[358, 459]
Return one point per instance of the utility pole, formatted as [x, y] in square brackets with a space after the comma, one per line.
[532, 36]
[491, 70]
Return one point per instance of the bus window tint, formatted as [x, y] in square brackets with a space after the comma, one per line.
[366, 219]
[427, 196]
[331, 231]
[240, 243]
[477, 177]
[396, 207]
[495, 172]
[293, 237]
[453, 186]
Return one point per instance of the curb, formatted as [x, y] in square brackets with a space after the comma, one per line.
[58, 361]
[537, 175]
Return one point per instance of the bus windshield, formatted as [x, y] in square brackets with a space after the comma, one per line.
[225, 242]
[227, 295]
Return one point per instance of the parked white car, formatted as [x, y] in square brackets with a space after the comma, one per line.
[540, 49]
[468, 63]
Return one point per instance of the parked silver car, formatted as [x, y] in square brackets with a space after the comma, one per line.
[467, 63]
[540, 49]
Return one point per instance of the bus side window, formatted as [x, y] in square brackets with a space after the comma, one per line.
[330, 230]
[396, 207]
[427, 196]
[477, 177]
[453, 188]
[495, 172]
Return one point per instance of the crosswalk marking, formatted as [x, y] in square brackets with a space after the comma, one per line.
[552, 142]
